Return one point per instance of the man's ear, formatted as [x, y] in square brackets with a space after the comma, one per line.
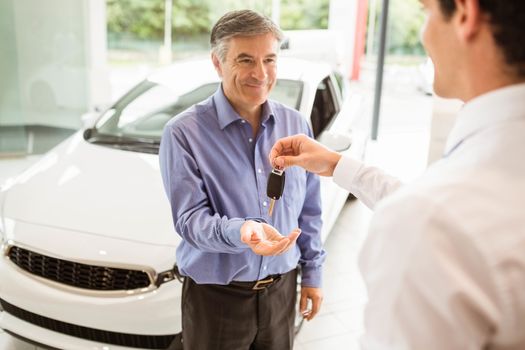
[216, 63]
[469, 19]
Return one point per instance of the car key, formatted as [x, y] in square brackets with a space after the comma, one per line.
[275, 187]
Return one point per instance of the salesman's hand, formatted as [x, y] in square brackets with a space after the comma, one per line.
[264, 239]
[305, 152]
[315, 295]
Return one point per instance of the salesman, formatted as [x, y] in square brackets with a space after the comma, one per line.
[444, 262]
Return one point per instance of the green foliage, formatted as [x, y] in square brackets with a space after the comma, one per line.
[304, 14]
[144, 19]
[221, 7]
[405, 22]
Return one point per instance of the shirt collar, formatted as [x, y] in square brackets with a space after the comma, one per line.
[227, 115]
[485, 110]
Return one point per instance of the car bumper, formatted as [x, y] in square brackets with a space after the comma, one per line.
[50, 313]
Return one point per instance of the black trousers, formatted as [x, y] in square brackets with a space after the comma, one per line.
[235, 317]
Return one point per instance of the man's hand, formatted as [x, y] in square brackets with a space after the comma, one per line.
[305, 152]
[264, 239]
[315, 295]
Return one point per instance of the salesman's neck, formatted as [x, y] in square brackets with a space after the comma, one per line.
[479, 87]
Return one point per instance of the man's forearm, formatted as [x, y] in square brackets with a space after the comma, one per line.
[368, 184]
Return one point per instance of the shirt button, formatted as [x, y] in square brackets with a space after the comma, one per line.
[264, 203]
[243, 121]
[259, 171]
[264, 267]
[250, 139]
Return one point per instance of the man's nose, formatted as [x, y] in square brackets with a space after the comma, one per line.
[259, 71]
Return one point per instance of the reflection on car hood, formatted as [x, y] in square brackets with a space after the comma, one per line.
[95, 189]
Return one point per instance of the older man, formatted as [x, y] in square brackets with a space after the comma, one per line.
[214, 165]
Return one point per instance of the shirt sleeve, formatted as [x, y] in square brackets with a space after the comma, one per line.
[309, 242]
[428, 284]
[192, 215]
[369, 184]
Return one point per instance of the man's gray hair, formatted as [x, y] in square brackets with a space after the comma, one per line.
[240, 23]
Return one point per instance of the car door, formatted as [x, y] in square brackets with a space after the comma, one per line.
[331, 124]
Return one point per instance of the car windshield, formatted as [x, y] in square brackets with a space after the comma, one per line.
[138, 118]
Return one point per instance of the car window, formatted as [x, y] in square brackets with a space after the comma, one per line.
[143, 112]
[288, 92]
[340, 84]
[148, 107]
[325, 107]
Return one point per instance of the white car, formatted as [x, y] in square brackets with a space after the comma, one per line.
[87, 235]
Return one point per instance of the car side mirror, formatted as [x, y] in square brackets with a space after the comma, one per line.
[336, 141]
[89, 119]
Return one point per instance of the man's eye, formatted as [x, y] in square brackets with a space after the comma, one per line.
[270, 60]
[245, 61]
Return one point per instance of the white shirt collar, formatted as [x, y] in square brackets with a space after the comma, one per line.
[490, 108]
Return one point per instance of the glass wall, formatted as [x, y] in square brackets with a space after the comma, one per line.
[47, 65]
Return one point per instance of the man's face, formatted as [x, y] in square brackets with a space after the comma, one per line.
[249, 70]
[439, 40]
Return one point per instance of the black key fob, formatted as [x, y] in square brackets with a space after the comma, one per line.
[275, 186]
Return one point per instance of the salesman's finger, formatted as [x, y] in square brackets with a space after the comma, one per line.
[289, 145]
[279, 147]
[284, 162]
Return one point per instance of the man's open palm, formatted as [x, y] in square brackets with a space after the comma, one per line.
[264, 239]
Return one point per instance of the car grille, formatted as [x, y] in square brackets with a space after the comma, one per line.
[78, 275]
[122, 339]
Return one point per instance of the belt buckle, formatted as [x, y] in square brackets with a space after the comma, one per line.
[261, 284]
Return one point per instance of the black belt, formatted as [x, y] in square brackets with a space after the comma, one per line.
[258, 285]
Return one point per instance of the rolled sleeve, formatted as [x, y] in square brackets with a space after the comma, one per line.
[312, 276]
[232, 232]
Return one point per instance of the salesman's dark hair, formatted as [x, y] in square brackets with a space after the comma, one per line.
[507, 18]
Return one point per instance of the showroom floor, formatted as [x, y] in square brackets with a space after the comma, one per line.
[401, 150]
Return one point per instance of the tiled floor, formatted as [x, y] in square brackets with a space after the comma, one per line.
[402, 150]
[339, 323]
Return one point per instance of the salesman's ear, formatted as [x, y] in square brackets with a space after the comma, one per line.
[468, 19]
[216, 63]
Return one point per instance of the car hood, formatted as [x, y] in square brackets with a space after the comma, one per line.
[94, 189]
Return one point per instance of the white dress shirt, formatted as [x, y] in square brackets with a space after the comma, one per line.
[444, 262]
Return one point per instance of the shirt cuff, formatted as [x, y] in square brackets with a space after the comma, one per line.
[233, 232]
[345, 171]
[311, 277]
[261, 220]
